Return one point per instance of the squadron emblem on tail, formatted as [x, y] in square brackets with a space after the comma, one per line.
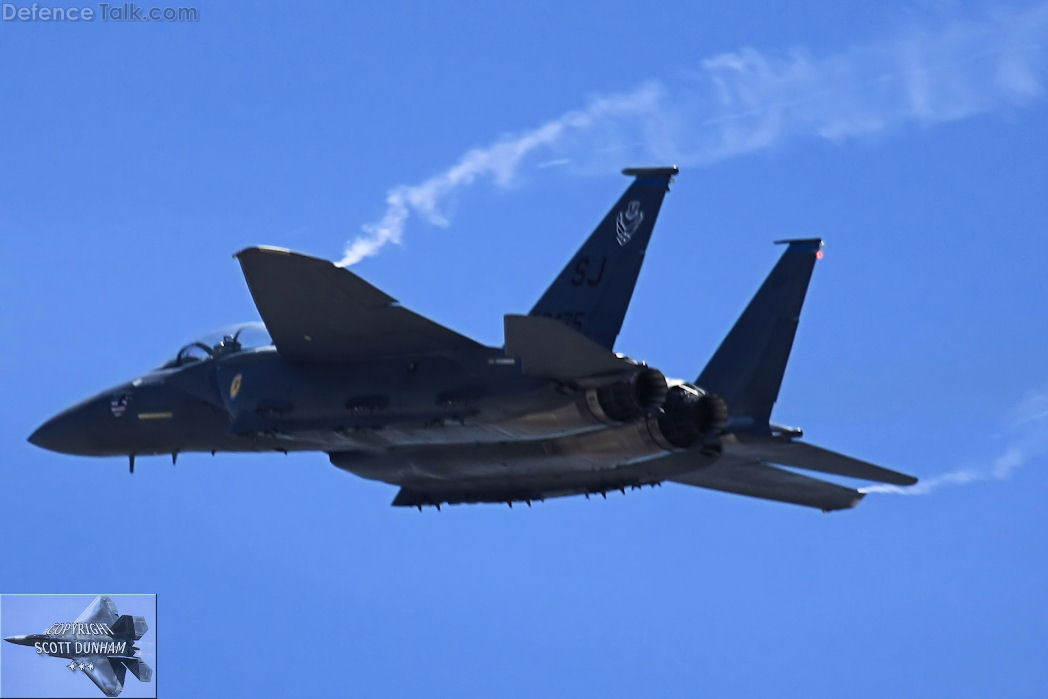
[628, 222]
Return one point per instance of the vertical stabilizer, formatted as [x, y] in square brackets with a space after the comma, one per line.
[127, 626]
[748, 366]
[593, 291]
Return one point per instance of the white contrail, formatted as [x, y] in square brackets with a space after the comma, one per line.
[745, 101]
[499, 161]
[1027, 439]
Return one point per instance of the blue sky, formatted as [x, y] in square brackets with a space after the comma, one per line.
[24, 673]
[911, 136]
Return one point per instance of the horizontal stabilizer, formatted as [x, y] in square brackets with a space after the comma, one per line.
[761, 480]
[549, 348]
[316, 311]
[813, 458]
[139, 669]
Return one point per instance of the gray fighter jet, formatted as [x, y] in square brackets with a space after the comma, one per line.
[100, 643]
[393, 396]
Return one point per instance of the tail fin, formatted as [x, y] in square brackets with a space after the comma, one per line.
[748, 366]
[127, 626]
[593, 291]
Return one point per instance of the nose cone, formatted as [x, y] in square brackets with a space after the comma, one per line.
[20, 640]
[81, 429]
[49, 435]
[65, 433]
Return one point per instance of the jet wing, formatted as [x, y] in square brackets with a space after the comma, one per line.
[101, 610]
[316, 311]
[761, 480]
[107, 674]
[813, 458]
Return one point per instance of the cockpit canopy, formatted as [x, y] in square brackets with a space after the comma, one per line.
[227, 340]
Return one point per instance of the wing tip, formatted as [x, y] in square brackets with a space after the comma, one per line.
[858, 496]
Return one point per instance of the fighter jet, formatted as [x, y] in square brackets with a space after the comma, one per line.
[393, 396]
[100, 643]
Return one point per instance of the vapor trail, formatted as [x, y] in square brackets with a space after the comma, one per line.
[745, 101]
[1027, 439]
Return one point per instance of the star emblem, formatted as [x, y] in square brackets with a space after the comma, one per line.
[71, 666]
[82, 665]
[90, 666]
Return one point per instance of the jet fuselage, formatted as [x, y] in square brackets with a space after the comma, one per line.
[393, 396]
